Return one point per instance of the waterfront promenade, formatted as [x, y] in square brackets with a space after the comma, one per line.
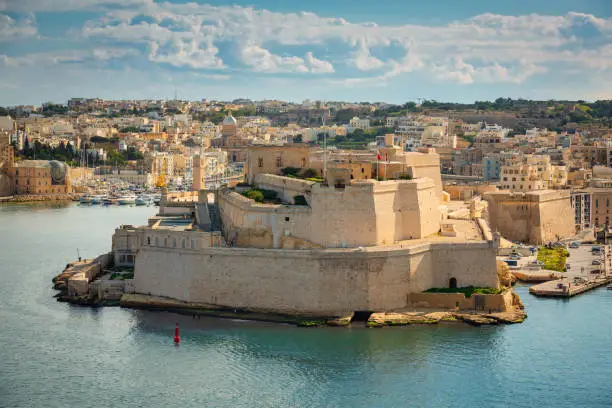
[586, 271]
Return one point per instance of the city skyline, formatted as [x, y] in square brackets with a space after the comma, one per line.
[139, 49]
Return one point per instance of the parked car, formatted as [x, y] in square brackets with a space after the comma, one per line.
[596, 262]
[515, 256]
[574, 245]
[567, 266]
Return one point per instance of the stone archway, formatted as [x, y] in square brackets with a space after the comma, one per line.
[452, 283]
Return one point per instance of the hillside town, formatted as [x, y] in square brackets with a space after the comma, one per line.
[518, 155]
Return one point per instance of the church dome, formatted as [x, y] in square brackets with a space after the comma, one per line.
[59, 170]
[230, 121]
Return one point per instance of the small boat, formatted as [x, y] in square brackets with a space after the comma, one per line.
[127, 200]
[109, 201]
[85, 199]
[97, 200]
[609, 287]
[143, 200]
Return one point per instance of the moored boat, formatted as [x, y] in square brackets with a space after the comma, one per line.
[127, 200]
[86, 199]
[143, 200]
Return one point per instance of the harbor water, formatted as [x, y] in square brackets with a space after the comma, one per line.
[57, 355]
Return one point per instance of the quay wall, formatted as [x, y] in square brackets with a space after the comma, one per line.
[326, 282]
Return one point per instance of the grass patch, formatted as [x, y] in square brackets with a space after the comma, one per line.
[468, 291]
[553, 259]
[122, 275]
[261, 195]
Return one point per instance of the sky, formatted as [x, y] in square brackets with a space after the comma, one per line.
[390, 51]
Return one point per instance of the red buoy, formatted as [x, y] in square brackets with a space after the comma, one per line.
[177, 337]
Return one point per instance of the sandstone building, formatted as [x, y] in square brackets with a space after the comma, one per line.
[536, 217]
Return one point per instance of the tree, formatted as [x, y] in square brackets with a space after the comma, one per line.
[26, 144]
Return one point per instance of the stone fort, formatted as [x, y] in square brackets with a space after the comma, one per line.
[349, 245]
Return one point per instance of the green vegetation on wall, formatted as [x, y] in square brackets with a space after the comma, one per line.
[468, 291]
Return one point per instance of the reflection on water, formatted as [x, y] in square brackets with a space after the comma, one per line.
[58, 355]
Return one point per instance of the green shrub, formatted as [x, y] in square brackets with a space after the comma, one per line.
[254, 194]
[269, 195]
[468, 291]
[260, 195]
[290, 171]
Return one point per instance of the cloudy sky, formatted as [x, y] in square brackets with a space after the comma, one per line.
[391, 50]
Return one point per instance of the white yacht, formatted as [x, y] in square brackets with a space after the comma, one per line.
[127, 199]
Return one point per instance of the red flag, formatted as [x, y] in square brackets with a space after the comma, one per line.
[378, 156]
[387, 157]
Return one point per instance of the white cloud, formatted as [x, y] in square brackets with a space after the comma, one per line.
[66, 5]
[262, 60]
[364, 61]
[189, 53]
[494, 44]
[318, 66]
[11, 29]
[43, 59]
[488, 48]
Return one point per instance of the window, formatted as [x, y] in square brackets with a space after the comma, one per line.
[286, 218]
[597, 203]
[148, 240]
[303, 162]
[260, 162]
[279, 162]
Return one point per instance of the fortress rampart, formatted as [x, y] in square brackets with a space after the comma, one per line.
[319, 281]
[534, 217]
[363, 213]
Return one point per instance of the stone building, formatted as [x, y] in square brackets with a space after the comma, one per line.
[40, 177]
[393, 162]
[535, 217]
[345, 214]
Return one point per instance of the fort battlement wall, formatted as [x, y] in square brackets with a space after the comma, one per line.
[364, 213]
[534, 217]
[319, 281]
[287, 188]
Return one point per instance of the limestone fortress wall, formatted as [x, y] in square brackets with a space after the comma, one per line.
[364, 213]
[319, 282]
[536, 217]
